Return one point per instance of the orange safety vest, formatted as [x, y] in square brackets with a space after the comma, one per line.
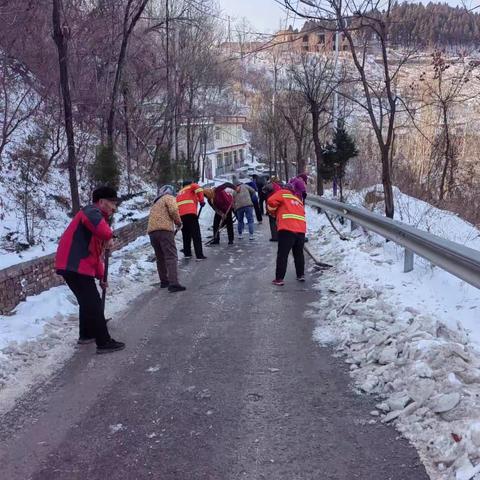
[188, 198]
[288, 210]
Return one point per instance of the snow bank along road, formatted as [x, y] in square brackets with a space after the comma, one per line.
[221, 382]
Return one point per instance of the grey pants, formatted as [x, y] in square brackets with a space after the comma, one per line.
[163, 242]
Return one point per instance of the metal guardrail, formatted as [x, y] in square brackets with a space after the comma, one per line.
[461, 261]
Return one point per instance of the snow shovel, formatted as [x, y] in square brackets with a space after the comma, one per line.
[217, 235]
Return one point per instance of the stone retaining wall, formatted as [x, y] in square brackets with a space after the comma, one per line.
[35, 276]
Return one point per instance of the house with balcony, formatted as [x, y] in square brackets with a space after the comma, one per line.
[220, 144]
[317, 37]
[226, 146]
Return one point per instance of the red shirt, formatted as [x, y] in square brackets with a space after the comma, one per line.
[81, 246]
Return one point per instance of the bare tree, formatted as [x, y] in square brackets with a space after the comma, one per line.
[61, 35]
[297, 115]
[315, 78]
[446, 90]
[133, 11]
[18, 102]
[363, 24]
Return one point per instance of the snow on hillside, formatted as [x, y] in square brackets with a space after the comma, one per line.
[52, 218]
[411, 338]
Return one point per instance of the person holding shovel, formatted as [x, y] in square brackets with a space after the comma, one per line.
[222, 203]
[79, 260]
[188, 199]
[163, 216]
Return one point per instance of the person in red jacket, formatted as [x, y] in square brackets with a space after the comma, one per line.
[222, 203]
[289, 213]
[188, 199]
[79, 261]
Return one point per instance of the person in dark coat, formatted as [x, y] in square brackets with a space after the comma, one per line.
[260, 181]
[256, 201]
[271, 187]
[79, 260]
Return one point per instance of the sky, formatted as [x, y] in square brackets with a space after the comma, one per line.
[264, 15]
[267, 15]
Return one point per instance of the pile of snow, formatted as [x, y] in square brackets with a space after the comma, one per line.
[413, 338]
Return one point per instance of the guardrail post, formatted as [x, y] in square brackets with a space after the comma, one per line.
[408, 261]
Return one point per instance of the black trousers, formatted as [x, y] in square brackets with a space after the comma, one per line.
[273, 228]
[191, 231]
[216, 226]
[262, 198]
[290, 241]
[92, 319]
[258, 211]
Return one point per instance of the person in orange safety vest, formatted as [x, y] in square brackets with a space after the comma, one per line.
[289, 212]
[188, 199]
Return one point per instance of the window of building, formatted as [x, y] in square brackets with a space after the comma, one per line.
[220, 168]
[235, 158]
[228, 159]
[305, 38]
[217, 133]
[242, 156]
[321, 38]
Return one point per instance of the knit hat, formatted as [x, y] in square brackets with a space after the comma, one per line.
[105, 192]
[165, 190]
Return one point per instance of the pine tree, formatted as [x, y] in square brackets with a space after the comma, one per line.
[105, 170]
[165, 173]
[337, 154]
